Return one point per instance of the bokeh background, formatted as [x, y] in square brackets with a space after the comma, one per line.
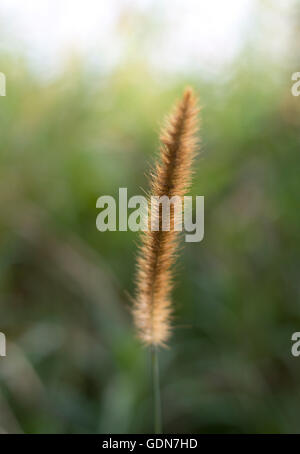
[88, 84]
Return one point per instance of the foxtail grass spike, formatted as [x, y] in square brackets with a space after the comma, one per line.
[171, 177]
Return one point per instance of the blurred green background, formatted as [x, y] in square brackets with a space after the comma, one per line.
[73, 364]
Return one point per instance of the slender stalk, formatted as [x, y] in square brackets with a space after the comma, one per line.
[156, 391]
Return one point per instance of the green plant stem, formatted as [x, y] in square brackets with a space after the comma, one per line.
[156, 391]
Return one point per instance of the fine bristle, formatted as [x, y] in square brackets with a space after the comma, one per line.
[172, 176]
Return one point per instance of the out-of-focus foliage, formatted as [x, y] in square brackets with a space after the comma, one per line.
[73, 363]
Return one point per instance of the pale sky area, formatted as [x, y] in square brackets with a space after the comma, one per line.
[185, 33]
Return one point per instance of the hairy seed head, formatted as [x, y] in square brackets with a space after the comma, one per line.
[172, 177]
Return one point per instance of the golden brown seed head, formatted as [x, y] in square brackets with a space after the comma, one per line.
[172, 176]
